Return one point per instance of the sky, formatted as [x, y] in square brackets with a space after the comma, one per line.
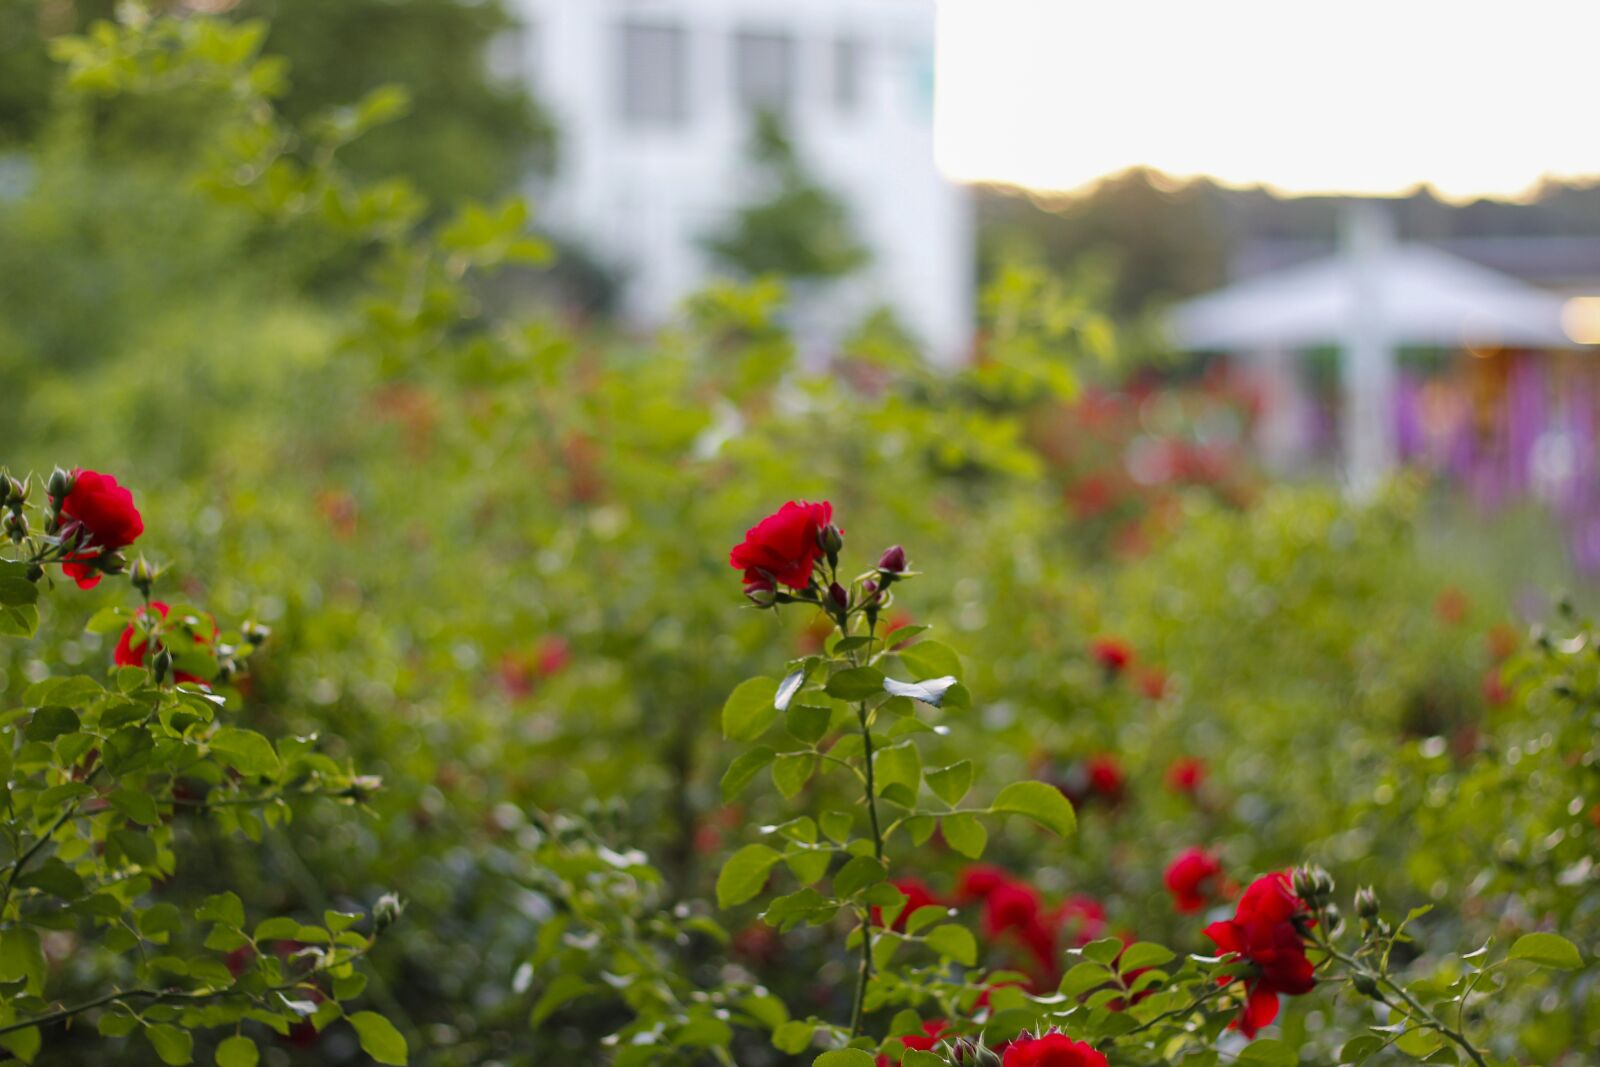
[1475, 97]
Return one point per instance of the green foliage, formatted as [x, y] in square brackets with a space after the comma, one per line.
[493, 552]
[105, 780]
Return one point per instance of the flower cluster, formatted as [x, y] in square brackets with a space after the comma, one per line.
[1014, 909]
[88, 520]
[1268, 930]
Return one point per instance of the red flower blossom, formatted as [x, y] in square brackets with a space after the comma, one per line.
[1054, 1049]
[1494, 688]
[1106, 779]
[1012, 907]
[1112, 653]
[1153, 683]
[1193, 879]
[1082, 918]
[1502, 640]
[932, 1031]
[128, 654]
[918, 895]
[520, 672]
[1263, 931]
[102, 514]
[1451, 605]
[1186, 774]
[782, 547]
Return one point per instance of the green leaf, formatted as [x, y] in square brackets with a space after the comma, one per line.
[136, 806]
[245, 751]
[744, 874]
[792, 771]
[225, 908]
[743, 770]
[50, 723]
[1359, 1049]
[845, 1057]
[931, 691]
[925, 917]
[173, 1045]
[379, 1038]
[21, 957]
[1547, 950]
[858, 874]
[23, 1044]
[1143, 954]
[918, 1058]
[1083, 977]
[17, 591]
[1042, 803]
[856, 683]
[809, 723]
[793, 1036]
[237, 1051]
[900, 765]
[930, 659]
[836, 825]
[954, 943]
[1104, 950]
[964, 833]
[749, 710]
[563, 989]
[950, 784]
[19, 620]
[1268, 1053]
[109, 620]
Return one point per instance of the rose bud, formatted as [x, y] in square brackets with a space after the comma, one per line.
[893, 560]
[831, 539]
[839, 597]
[1367, 903]
[113, 562]
[60, 484]
[143, 575]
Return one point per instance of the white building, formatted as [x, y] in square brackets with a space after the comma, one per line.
[654, 100]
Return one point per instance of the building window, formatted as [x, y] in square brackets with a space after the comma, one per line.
[654, 60]
[763, 70]
[848, 57]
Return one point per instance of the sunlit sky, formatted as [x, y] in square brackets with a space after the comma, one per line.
[1473, 96]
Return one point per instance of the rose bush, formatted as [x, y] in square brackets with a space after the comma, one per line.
[493, 548]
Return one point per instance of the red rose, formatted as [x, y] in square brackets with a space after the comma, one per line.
[1192, 879]
[1013, 907]
[782, 547]
[978, 881]
[1452, 605]
[1502, 641]
[1186, 774]
[128, 654]
[1112, 653]
[1153, 683]
[1054, 1049]
[932, 1030]
[1082, 917]
[553, 656]
[1494, 688]
[101, 512]
[918, 895]
[1105, 777]
[1263, 931]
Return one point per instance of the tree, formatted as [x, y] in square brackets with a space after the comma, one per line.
[798, 229]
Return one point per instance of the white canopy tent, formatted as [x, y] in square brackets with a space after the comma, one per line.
[1371, 298]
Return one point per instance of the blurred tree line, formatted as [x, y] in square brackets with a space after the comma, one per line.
[468, 133]
[1161, 239]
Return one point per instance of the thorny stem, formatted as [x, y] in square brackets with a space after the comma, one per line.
[1413, 1007]
[864, 974]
